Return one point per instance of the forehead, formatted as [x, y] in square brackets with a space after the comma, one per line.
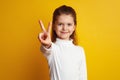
[65, 18]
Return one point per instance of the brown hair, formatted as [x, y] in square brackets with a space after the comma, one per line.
[63, 10]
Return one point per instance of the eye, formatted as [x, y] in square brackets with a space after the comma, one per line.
[69, 24]
[60, 24]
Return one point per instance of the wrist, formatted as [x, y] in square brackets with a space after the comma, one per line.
[48, 46]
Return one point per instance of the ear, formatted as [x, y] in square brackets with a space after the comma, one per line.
[53, 27]
[74, 27]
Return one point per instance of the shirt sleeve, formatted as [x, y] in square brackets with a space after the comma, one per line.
[83, 67]
[48, 52]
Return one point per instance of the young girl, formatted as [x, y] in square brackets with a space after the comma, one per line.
[66, 60]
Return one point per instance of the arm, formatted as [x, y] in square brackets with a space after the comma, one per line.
[83, 68]
[45, 50]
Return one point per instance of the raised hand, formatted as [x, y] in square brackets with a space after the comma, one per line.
[45, 37]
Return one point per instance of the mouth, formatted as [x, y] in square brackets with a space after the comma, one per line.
[64, 32]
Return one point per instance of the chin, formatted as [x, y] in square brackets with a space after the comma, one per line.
[64, 38]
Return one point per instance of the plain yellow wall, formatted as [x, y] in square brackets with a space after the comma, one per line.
[98, 32]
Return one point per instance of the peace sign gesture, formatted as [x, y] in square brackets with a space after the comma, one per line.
[45, 37]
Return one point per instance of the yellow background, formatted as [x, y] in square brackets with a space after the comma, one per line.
[98, 32]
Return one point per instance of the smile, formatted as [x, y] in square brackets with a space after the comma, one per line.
[64, 32]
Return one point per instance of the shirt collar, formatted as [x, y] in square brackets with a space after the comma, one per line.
[61, 41]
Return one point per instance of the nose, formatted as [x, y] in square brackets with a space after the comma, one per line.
[64, 27]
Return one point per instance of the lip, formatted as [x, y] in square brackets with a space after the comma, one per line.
[64, 32]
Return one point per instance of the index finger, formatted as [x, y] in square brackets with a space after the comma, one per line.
[49, 27]
[42, 26]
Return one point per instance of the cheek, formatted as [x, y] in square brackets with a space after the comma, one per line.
[73, 29]
[58, 28]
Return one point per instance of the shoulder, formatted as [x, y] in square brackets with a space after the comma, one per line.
[79, 47]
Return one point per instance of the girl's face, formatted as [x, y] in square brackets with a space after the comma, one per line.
[64, 26]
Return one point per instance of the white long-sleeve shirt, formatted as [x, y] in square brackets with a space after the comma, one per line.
[66, 61]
